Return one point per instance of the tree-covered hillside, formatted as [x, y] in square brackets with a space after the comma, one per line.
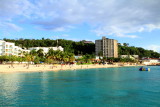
[78, 48]
[81, 48]
[131, 50]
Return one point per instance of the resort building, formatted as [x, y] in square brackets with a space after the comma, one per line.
[46, 49]
[151, 61]
[130, 56]
[87, 42]
[106, 47]
[8, 48]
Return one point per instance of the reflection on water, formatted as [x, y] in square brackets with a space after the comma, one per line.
[90, 87]
[9, 85]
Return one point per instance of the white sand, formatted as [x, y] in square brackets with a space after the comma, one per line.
[6, 68]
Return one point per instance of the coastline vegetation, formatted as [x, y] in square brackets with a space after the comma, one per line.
[71, 49]
[81, 48]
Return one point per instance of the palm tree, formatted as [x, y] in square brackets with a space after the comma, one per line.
[71, 57]
[64, 57]
[50, 54]
[104, 58]
[40, 53]
[48, 60]
[20, 59]
[87, 58]
[58, 55]
[33, 52]
[36, 60]
[29, 58]
[12, 59]
[100, 54]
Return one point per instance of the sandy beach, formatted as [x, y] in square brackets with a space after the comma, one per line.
[6, 68]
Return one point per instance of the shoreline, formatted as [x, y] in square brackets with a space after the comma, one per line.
[6, 68]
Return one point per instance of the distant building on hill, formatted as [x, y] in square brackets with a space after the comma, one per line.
[151, 61]
[106, 47]
[77, 57]
[46, 49]
[9, 48]
[84, 41]
[123, 44]
[130, 56]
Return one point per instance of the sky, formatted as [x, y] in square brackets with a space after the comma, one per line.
[136, 22]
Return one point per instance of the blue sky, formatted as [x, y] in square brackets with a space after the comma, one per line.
[136, 22]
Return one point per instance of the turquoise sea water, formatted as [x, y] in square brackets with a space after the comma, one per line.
[105, 87]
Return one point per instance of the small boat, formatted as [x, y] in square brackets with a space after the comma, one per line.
[144, 69]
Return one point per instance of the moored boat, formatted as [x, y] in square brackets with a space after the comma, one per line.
[144, 69]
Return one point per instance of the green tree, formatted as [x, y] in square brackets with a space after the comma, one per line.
[87, 58]
[40, 53]
[20, 59]
[33, 52]
[3, 58]
[36, 60]
[12, 59]
[29, 58]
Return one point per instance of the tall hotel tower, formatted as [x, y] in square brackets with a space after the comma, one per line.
[107, 47]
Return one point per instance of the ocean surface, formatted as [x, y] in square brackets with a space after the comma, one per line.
[105, 87]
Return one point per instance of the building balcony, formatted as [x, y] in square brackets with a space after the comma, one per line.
[9, 48]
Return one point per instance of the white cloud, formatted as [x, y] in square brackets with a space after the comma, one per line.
[74, 39]
[12, 8]
[108, 17]
[9, 26]
[60, 36]
[156, 48]
[115, 31]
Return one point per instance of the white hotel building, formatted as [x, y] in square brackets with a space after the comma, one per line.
[46, 49]
[8, 48]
